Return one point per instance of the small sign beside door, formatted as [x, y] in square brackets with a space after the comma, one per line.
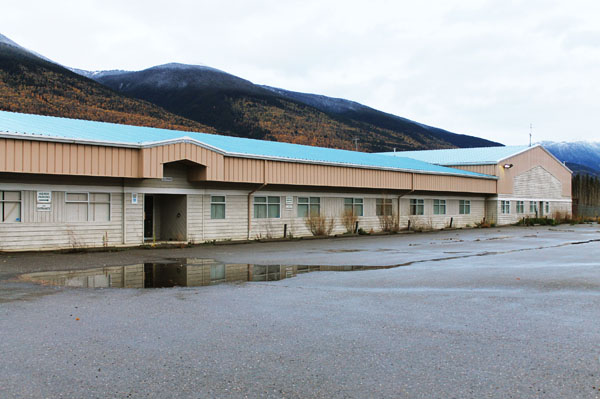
[44, 201]
[44, 197]
[134, 198]
[289, 202]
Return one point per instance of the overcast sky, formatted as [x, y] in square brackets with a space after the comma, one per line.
[485, 68]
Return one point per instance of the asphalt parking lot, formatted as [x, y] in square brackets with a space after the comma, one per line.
[500, 313]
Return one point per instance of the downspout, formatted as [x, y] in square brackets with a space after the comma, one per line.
[124, 233]
[263, 185]
[250, 206]
[412, 190]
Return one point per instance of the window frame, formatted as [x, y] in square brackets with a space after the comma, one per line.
[218, 203]
[415, 205]
[441, 205]
[355, 203]
[464, 207]
[520, 206]
[4, 201]
[89, 203]
[266, 204]
[546, 207]
[533, 207]
[381, 204]
[309, 204]
[505, 207]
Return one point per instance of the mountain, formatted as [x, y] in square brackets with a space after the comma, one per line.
[31, 83]
[202, 98]
[580, 156]
[236, 106]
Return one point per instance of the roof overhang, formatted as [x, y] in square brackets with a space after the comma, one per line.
[189, 140]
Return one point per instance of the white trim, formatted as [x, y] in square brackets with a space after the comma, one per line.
[266, 203]
[89, 203]
[528, 199]
[224, 203]
[20, 201]
[207, 191]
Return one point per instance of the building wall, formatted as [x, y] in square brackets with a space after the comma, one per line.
[522, 163]
[535, 177]
[39, 157]
[556, 208]
[51, 229]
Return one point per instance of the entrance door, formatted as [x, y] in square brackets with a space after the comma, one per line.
[541, 208]
[148, 217]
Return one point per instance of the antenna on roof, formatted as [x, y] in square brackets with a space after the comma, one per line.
[530, 130]
[355, 143]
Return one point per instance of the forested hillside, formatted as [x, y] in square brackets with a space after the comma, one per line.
[33, 85]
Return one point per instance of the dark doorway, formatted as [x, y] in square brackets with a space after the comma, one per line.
[148, 217]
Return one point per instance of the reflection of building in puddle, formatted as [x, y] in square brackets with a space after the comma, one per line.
[184, 273]
[102, 277]
[192, 272]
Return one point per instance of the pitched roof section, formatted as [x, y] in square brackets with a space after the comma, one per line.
[463, 156]
[102, 133]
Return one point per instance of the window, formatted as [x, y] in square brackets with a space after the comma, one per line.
[87, 207]
[217, 207]
[10, 206]
[417, 206]
[217, 273]
[547, 207]
[439, 207]
[383, 207]
[464, 207]
[505, 206]
[309, 206]
[354, 205]
[266, 207]
[520, 207]
[532, 207]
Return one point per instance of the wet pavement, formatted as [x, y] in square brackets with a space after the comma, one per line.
[510, 312]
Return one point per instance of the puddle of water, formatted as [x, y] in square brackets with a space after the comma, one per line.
[176, 273]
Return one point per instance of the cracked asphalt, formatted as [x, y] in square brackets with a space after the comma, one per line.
[497, 313]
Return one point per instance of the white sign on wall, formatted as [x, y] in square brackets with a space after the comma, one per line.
[44, 197]
[289, 202]
[134, 198]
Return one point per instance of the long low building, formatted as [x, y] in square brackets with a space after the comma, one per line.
[531, 181]
[67, 183]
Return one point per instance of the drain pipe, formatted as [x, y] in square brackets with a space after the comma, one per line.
[250, 206]
[412, 190]
[124, 216]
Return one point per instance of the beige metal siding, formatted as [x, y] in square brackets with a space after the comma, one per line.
[453, 184]
[153, 158]
[527, 161]
[27, 156]
[483, 169]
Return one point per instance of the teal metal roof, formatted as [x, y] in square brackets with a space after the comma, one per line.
[101, 133]
[462, 156]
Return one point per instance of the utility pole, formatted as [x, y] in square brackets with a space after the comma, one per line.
[530, 132]
[355, 143]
